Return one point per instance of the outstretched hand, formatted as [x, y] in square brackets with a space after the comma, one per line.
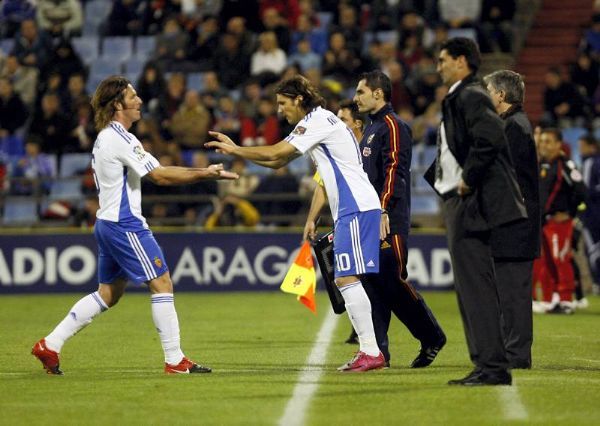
[223, 144]
[216, 171]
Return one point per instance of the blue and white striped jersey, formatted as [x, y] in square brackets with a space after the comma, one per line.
[119, 162]
[334, 149]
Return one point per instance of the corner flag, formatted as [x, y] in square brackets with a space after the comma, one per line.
[301, 278]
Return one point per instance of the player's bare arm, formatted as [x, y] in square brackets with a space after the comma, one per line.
[273, 156]
[173, 175]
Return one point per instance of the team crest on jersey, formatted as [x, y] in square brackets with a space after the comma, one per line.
[370, 138]
[299, 130]
[366, 151]
[139, 152]
[157, 262]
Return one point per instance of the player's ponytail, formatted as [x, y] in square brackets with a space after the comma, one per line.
[109, 92]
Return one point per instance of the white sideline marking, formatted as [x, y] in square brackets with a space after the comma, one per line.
[308, 381]
[511, 403]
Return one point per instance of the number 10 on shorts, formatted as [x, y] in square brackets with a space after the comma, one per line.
[342, 262]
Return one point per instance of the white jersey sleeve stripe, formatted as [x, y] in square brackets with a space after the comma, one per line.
[120, 133]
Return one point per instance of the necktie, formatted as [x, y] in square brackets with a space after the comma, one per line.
[438, 160]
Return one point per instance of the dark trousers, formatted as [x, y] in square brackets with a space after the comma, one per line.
[514, 280]
[476, 290]
[389, 292]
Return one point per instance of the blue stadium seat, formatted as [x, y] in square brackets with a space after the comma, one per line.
[463, 32]
[597, 133]
[20, 210]
[195, 81]
[96, 12]
[300, 166]
[105, 66]
[429, 154]
[73, 164]
[424, 204]
[416, 159]
[86, 48]
[572, 134]
[12, 145]
[6, 45]
[117, 48]
[255, 169]
[145, 46]
[325, 19]
[67, 189]
[135, 65]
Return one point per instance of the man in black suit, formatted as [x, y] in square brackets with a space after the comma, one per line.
[516, 245]
[474, 175]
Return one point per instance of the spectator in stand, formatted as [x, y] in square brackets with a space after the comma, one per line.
[288, 10]
[13, 112]
[263, 129]
[204, 40]
[32, 46]
[196, 213]
[305, 30]
[150, 87]
[247, 8]
[85, 131]
[237, 26]
[348, 25]
[65, 61]
[172, 98]
[171, 46]
[148, 133]
[585, 73]
[12, 13]
[53, 128]
[212, 92]
[497, 24]
[561, 191]
[563, 104]
[269, 60]
[60, 18]
[340, 62]
[232, 63]
[460, 14]
[251, 95]
[304, 56]
[589, 148]
[75, 94]
[33, 171]
[189, 125]
[155, 13]
[125, 18]
[411, 50]
[280, 182]
[227, 118]
[440, 35]
[272, 21]
[591, 41]
[400, 96]
[23, 79]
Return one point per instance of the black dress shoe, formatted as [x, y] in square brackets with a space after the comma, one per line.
[476, 371]
[487, 379]
[427, 354]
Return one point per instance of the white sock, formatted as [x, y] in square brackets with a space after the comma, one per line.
[358, 306]
[167, 325]
[81, 314]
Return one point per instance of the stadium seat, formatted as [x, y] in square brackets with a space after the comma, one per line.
[73, 164]
[195, 81]
[105, 66]
[67, 189]
[416, 159]
[20, 210]
[424, 204]
[6, 45]
[117, 49]
[325, 19]
[145, 47]
[255, 169]
[96, 12]
[300, 166]
[86, 48]
[572, 134]
[12, 145]
[463, 32]
[429, 154]
[134, 65]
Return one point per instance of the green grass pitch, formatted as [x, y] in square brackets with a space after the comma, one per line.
[257, 345]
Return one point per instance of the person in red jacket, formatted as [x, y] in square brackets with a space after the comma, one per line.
[561, 191]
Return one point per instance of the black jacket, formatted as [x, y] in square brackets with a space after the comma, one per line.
[386, 148]
[521, 240]
[475, 136]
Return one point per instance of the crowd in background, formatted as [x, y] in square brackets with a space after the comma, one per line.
[242, 49]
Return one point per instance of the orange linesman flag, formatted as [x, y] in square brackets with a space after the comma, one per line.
[301, 278]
